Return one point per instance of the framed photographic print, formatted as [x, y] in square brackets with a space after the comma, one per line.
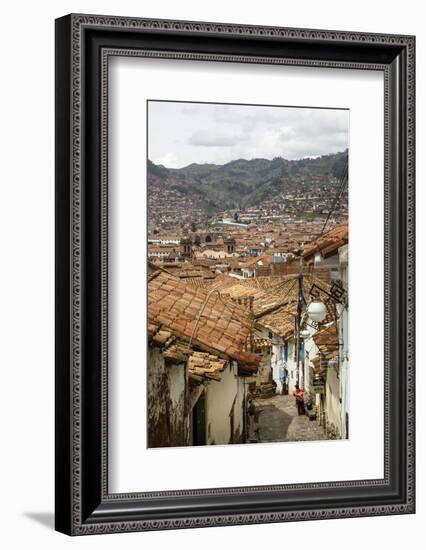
[234, 274]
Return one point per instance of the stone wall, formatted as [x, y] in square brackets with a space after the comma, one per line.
[168, 424]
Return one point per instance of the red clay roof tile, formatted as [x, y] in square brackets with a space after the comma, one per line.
[202, 317]
[328, 243]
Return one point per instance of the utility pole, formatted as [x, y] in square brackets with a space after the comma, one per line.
[299, 321]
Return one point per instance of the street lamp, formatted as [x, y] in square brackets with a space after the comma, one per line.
[317, 311]
[333, 362]
[305, 333]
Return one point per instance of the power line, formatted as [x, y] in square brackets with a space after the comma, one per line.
[341, 186]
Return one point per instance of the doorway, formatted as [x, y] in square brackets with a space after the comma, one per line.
[199, 421]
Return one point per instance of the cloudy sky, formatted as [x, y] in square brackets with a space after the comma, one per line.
[182, 133]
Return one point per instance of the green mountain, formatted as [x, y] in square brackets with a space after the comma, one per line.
[243, 183]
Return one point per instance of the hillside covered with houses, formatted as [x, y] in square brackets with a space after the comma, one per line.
[238, 318]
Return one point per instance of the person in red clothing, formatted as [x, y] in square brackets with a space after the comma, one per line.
[300, 404]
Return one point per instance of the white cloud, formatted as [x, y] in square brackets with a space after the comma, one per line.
[182, 133]
[170, 160]
[209, 138]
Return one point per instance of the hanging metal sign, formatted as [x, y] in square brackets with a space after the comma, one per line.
[318, 385]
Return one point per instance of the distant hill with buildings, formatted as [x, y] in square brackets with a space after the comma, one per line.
[245, 183]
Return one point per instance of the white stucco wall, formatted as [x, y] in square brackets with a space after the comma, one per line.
[311, 351]
[277, 361]
[291, 367]
[332, 394]
[220, 397]
[176, 377]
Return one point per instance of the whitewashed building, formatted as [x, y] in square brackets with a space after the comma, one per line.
[199, 358]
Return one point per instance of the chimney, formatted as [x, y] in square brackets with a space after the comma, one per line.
[246, 302]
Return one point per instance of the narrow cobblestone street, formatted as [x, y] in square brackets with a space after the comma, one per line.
[278, 421]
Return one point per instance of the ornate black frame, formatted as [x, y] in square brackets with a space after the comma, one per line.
[83, 45]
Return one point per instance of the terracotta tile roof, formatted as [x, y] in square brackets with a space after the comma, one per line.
[257, 261]
[184, 270]
[202, 317]
[286, 287]
[268, 293]
[235, 263]
[327, 342]
[204, 365]
[162, 248]
[176, 351]
[283, 285]
[224, 281]
[280, 321]
[262, 344]
[235, 289]
[194, 273]
[204, 262]
[328, 243]
[202, 282]
[316, 361]
[201, 365]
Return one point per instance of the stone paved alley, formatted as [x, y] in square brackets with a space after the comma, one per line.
[279, 421]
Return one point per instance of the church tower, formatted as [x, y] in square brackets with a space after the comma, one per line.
[186, 248]
[229, 245]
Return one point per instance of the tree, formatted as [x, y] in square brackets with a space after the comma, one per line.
[340, 166]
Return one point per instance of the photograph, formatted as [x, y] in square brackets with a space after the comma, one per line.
[208, 302]
[247, 277]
